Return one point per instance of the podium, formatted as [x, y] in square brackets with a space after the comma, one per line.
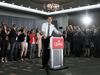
[56, 53]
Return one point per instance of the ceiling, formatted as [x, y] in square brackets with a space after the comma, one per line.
[75, 4]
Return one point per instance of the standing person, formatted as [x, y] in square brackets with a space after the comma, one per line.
[79, 43]
[87, 42]
[67, 42]
[97, 43]
[93, 29]
[39, 42]
[0, 37]
[47, 29]
[91, 43]
[74, 40]
[17, 30]
[24, 39]
[5, 41]
[71, 37]
[32, 43]
[13, 42]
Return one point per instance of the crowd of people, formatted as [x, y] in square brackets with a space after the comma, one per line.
[81, 41]
[19, 39]
[78, 41]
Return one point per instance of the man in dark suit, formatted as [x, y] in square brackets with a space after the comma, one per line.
[13, 42]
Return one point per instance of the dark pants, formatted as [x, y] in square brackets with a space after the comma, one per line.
[0, 42]
[78, 48]
[97, 49]
[14, 48]
[71, 48]
[4, 48]
[46, 52]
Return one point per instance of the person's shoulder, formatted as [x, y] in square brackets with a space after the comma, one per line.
[45, 23]
[52, 24]
[12, 29]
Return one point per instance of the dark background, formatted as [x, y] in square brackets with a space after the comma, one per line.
[76, 18]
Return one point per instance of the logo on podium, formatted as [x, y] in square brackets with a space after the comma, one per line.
[58, 43]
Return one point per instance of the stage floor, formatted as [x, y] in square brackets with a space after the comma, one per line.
[77, 66]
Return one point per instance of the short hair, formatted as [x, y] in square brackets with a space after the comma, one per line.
[2, 22]
[49, 16]
[14, 25]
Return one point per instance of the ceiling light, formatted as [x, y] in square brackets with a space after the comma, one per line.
[36, 8]
[70, 7]
[29, 7]
[86, 20]
[13, 3]
[7, 5]
[52, 4]
[21, 5]
[3, 1]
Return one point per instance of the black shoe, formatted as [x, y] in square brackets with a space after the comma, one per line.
[68, 56]
[65, 55]
[10, 60]
[43, 67]
[47, 66]
[38, 57]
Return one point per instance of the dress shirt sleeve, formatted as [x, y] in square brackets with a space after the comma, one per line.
[43, 27]
[55, 30]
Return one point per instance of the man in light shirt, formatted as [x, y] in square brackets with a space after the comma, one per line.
[47, 29]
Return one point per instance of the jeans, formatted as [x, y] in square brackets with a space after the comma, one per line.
[14, 48]
[32, 50]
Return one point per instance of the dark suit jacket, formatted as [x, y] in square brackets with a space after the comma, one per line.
[21, 38]
[69, 36]
[13, 36]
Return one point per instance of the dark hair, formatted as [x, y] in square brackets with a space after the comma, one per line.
[14, 25]
[37, 30]
[2, 22]
[31, 31]
[9, 27]
[49, 16]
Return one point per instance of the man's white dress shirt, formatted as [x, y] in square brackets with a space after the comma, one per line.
[52, 28]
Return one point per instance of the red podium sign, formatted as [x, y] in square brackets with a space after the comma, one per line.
[58, 43]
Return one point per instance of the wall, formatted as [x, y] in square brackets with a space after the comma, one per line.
[77, 18]
[62, 21]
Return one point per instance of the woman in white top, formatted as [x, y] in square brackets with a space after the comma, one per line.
[24, 39]
[39, 42]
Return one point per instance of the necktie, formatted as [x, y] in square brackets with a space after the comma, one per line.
[48, 29]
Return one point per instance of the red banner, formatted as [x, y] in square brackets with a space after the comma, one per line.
[58, 43]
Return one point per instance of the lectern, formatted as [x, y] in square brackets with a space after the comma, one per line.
[56, 53]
